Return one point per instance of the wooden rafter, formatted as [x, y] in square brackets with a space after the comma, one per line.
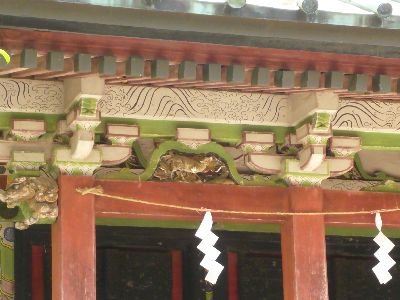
[110, 56]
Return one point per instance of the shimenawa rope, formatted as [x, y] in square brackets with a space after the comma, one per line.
[98, 191]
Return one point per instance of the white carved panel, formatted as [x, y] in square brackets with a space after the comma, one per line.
[367, 115]
[195, 105]
[31, 96]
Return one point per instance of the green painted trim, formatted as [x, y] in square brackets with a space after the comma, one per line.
[139, 154]
[222, 132]
[6, 258]
[379, 176]
[223, 226]
[388, 186]
[242, 227]
[7, 262]
[374, 140]
[361, 231]
[146, 223]
[47, 221]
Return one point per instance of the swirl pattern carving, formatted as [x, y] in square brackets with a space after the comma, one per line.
[368, 114]
[31, 96]
[184, 104]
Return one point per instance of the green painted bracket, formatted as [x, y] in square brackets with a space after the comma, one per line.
[203, 149]
[379, 176]
[173, 145]
[139, 154]
[388, 186]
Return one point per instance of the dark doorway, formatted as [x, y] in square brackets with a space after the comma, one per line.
[141, 263]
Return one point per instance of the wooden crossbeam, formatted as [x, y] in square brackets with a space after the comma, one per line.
[303, 236]
[238, 198]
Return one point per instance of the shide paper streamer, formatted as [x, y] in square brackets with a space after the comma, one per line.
[207, 247]
[381, 270]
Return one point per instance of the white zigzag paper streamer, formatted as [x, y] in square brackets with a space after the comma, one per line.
[207, 247]
[381, 270]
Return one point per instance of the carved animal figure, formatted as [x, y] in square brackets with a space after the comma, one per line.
[178, 167]
[39, 193]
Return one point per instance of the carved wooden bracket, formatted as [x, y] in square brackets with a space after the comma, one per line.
[192, 137]
[312, 165]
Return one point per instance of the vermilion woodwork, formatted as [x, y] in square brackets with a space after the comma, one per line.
[359, 201]
[239, 198]
[233, 288]
[74, 242]
[37, 272]
[303, 248]
[3, 181]
[194, 195]
[303, 237]
[177, 275]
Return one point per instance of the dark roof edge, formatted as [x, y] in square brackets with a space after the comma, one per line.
[204, 29]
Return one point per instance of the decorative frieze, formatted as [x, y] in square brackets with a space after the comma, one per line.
[367, 115]
[31, 96]
[193, 105]
[141, 102]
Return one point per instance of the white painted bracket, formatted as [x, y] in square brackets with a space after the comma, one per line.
[63, 160]
[192, 137]
[75, 120]
[120, 134]
[311, 157]
[264, 163]
[342, 146]
[26, 160]
[257, 141]
[28, 130]
[307, 135]
[113, 155]
[7, 148]
[305, 104]
[339, 165]
[84, 87]
[82, 143]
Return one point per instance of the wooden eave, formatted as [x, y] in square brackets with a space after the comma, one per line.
[175, 52]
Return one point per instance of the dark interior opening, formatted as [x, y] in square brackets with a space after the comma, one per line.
[139, 263]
